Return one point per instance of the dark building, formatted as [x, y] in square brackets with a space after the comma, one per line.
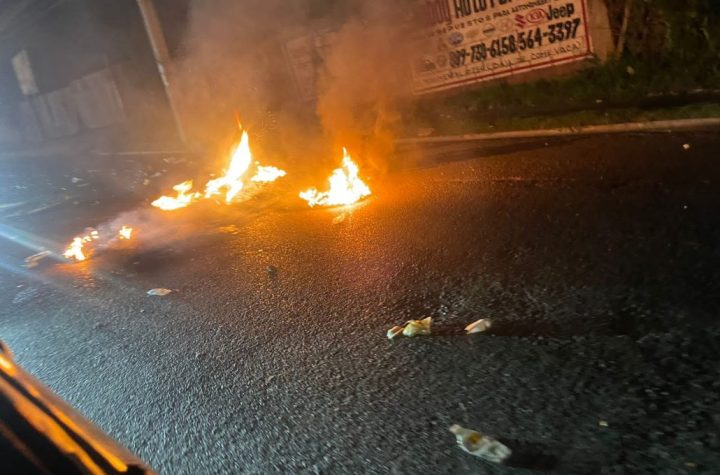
[78, 70]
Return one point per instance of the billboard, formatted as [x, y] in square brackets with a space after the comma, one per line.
[468, 41]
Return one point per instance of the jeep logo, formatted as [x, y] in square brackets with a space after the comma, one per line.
[560, 12]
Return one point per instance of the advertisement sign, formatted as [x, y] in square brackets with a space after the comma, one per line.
[469, 41]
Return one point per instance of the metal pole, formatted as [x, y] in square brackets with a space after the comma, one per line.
[162, 59]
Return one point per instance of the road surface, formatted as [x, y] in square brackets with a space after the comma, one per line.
[596, 258]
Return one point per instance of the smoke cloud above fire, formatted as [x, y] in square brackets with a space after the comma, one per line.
[234, 59]
[366, 78]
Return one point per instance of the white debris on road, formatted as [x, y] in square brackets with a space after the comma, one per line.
[394, 331]
[687, 146]
[480, 445]
[159, 292]
[479, 326]
[34, 260]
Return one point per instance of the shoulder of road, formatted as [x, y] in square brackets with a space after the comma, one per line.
[650, 126]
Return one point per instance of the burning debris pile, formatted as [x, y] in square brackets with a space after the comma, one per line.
[80, 247]
[181, 200]
[346, 188]
[228, 185]
[75, 248]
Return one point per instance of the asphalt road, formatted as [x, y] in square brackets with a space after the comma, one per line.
[596, 258]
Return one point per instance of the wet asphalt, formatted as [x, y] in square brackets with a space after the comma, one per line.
[596, 259]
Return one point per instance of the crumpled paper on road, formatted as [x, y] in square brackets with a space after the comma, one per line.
[412, 328]
[479, 326]
[418, 327]
[480, 445]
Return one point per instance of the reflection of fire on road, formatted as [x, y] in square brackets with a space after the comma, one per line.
[346, 187]
[228, 185]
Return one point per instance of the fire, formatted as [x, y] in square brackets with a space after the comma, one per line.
[346, 187]
[267, 174]
[125, 232]
[75, 248]
[232, 180]
[228, 185]
[183, 198]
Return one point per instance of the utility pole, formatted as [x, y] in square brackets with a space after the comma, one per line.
[162, 59]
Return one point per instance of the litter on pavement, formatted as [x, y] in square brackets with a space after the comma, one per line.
[479, 326]
[34, 260]
[480, 445]
[394, 331]
[411, 328]
[686, 146]
[418, 327]
[159, 292]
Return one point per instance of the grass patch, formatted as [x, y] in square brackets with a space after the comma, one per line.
[621, 91]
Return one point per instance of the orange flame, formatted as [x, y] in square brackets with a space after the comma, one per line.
[183, 199]
[125, 232]
[267, 174]
[75, 248]
[346, 187]
[232, 180]
[229, 185]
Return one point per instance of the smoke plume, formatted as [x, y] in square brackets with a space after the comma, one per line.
[365, 78]
[234, 60]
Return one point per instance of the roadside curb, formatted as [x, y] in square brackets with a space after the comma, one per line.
[656, 126]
